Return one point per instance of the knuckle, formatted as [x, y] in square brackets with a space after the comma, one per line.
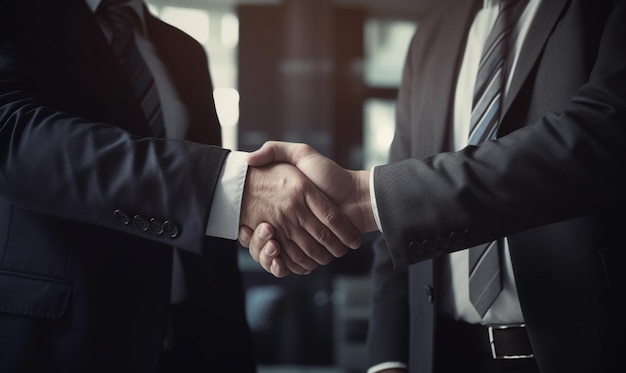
[300, 186]
[306, 148]
[320, 255]
[299, 258]
[325, 237]
[332, 217]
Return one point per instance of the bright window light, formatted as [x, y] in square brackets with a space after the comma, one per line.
[378, 131]
[227, 105]
[230, 30]
[195, 22]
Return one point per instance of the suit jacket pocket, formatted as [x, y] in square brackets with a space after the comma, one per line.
[28, 295]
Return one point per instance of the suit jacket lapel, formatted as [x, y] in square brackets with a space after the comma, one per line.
[96, 64]
[547, 16]
[460, 15]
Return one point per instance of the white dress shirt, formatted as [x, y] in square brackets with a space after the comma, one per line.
[455, 298]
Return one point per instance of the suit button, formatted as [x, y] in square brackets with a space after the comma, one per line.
[170, 229]
[140, 223]
[457, 238]
[121, 217]
[156, 226]
[428, 246]
[443, 242]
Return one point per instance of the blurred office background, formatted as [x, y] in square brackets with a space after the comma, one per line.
[324, 72]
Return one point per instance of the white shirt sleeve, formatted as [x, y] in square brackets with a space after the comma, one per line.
[226, 205]
[373, 199]
[387, 365]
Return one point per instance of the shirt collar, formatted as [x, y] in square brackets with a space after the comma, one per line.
[491, 3]
[93, 4]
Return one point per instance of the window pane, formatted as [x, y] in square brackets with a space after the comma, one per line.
[195, 22]
[386, 44]
[378, 131]
[230, 30]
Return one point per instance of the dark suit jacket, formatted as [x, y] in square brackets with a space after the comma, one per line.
[553, 183]
[82, 287]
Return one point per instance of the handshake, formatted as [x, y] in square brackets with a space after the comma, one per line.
[300, 209]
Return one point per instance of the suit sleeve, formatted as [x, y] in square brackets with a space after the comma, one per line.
[59, 164]
[564, 165]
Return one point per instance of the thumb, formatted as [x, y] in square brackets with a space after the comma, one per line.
[278, 151]
[262, 156]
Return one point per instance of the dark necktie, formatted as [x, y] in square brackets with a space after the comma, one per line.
[123, 21]
[485, 280]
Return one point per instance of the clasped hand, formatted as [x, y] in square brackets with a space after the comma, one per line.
[305, 209]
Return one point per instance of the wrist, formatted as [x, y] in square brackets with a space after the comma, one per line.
[247, 197]
[363, 200]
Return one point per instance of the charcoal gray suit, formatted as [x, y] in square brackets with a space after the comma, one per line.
[552, 183]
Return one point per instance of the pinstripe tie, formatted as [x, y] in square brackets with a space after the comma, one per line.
[123, 20]
[485, 280]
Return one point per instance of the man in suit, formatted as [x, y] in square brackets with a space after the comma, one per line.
[117, 242]
[550, 188]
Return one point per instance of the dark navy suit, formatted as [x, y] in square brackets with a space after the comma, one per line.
[84, 282]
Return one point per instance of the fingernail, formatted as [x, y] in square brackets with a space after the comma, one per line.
[264, 233]
[356, 244]
[271, 251]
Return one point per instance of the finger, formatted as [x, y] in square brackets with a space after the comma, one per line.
[307, 236]
[261, 235]
[245, 234]
[263, 247]
[270, 250]
[263, 156]
[269, 257]
[295, 258]
[278, 268]
[332, 229]
[278, 151]
[271, 261]
[313, 239]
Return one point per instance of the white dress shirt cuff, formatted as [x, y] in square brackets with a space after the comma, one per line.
[373, 199]
[387, 365]
[226, 205]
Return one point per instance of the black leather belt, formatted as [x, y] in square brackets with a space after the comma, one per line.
[509, 342]
[502, 342]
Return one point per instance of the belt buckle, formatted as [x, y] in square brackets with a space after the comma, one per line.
[494, 331]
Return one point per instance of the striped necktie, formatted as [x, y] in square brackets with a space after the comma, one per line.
[485, 280]
[123, 20]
